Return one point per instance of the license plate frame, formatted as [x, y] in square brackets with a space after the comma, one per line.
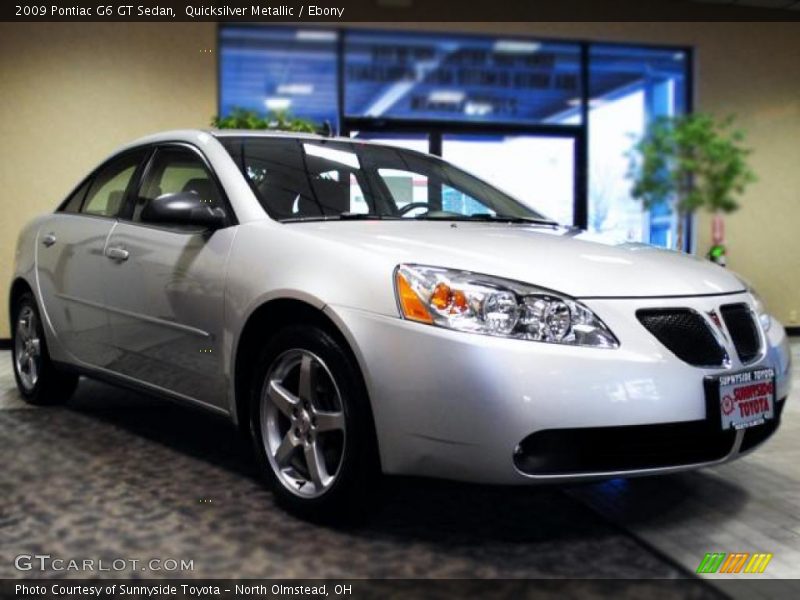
[754, 406]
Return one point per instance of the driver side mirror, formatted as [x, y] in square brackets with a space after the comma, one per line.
[183, 208]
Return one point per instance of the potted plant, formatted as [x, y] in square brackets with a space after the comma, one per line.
[240, 118]
[693, 162]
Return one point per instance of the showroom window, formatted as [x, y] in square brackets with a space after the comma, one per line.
[550, 122]
[458, 78]
[279, 69]
[628, 87]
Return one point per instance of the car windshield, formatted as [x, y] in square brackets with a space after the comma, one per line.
[318, 179]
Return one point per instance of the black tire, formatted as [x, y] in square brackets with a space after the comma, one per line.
[351, 490]
[51, 386]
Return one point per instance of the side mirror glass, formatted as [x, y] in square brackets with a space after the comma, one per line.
[183, 208]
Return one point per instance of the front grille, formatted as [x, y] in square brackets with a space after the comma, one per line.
[685, 333]
[625, 448]
[743, 329]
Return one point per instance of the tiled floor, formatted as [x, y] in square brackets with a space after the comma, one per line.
[115, 474]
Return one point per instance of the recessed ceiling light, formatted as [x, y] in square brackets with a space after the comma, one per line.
[277, 103]
[478, 109]
[592, 102]
[312, 35]
[516, 47]
[295, 89]
[446, 96]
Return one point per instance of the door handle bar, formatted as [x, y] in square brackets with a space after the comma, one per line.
[117, 253]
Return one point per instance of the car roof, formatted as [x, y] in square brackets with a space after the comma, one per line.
[266, 133]
[201, 136]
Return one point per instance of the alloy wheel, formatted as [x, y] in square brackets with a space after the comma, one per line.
[27, 348]
[303, 423]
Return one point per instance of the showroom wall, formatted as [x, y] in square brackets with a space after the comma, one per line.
[70, 93]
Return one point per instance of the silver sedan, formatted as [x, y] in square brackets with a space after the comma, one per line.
[359, 309]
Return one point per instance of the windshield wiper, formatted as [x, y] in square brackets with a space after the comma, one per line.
[489, 218]
[352, 216]
[345, 216]
[512, 219]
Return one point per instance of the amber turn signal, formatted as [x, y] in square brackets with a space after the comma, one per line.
[410, 303]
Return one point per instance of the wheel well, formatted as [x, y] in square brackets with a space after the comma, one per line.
[19, 287]
[265, 321]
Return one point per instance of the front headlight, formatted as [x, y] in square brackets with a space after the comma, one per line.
[489, 305]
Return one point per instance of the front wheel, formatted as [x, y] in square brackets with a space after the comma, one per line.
[311, 425]
[39, 381]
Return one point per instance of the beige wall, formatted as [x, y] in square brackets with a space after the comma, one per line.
[70, 93]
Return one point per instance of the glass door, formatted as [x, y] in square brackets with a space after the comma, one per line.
[537, 170]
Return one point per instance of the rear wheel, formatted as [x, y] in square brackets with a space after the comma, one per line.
[38, 379]
[311, 425]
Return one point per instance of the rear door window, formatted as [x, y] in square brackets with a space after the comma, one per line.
[106, 195]
[74, 202]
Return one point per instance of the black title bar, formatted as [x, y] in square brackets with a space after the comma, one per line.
[386, 11]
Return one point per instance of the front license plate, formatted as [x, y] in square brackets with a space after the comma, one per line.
[746, 398]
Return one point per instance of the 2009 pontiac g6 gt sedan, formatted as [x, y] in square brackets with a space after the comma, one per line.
[360, 308]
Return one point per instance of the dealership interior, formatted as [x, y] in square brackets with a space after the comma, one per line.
[547, 111]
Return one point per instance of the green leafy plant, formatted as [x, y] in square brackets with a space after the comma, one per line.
[693, 161]
[240, 118]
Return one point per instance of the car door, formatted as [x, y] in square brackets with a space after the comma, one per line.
[165, 286]
[71, 263]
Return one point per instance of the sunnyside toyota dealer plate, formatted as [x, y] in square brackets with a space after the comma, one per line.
[743, 399]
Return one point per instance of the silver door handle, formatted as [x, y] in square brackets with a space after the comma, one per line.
[118, 254]
[49, 239]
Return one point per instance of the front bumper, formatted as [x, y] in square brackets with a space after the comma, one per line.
[458, 406]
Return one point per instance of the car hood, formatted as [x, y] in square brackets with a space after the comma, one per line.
[558, 258]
